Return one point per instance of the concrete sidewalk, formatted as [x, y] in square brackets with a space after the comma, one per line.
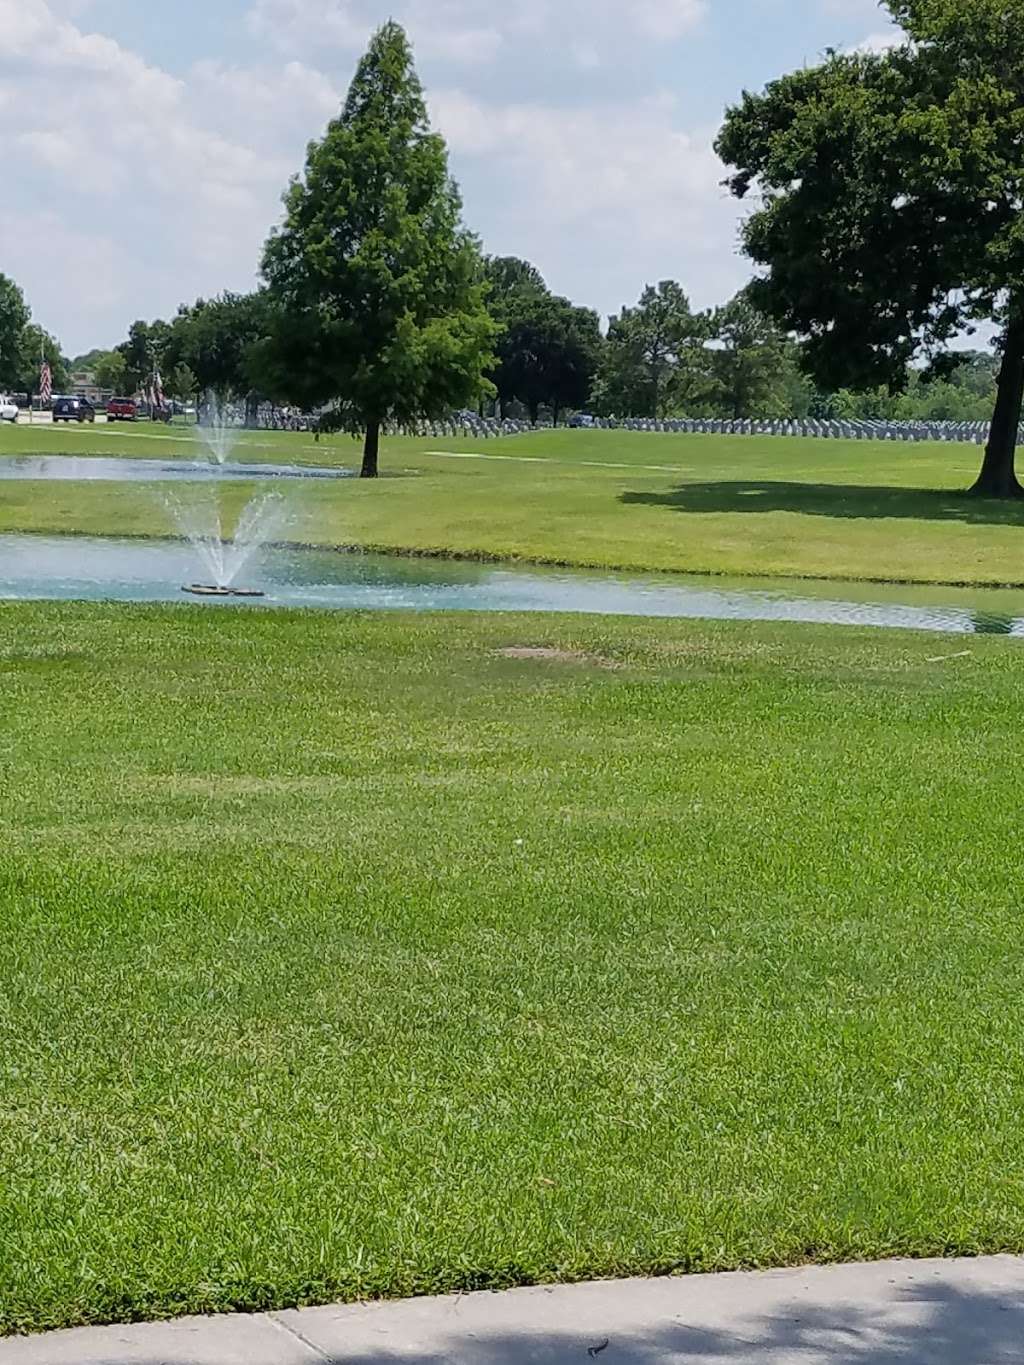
[926, 1312]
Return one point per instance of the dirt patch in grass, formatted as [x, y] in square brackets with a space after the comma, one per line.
[559, 656]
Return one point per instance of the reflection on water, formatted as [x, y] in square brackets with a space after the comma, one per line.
[995, 625]
[86, 568]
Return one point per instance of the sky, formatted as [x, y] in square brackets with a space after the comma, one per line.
[148, 142]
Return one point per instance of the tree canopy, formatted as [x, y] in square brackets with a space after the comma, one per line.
[510, 281]
[215, 341]
[755, 363]
[890, 210]
[548, 354]
[38, 345]
[375, 285]
[648, 347]
[548, 349]
[14, 318]
[24, 345]
[110, 369]
[143, 352]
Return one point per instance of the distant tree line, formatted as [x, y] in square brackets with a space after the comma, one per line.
[24, 345]
[656, 358]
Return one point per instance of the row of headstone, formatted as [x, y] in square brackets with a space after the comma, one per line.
[822, 429]
[468, 428]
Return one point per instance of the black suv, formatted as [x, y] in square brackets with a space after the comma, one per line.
[73, 410]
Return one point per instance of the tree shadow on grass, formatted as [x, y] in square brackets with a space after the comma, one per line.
[849, 501]
[927, 1324]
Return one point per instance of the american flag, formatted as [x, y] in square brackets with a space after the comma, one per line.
[46, 384]
[158, 390]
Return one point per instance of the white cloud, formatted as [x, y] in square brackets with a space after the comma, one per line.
[881, 42]
[473, 31]
[866, 15]
[166, 177]
[645, 195]
[138, 189]
[666, 18]
[306, 24]
[268, 108]
[93, 260]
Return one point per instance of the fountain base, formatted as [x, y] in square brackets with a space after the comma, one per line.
[213, 590]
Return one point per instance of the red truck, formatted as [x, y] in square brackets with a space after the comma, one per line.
[122, 410]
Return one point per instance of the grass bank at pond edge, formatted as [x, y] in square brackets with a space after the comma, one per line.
[345, 955]
[770, 507]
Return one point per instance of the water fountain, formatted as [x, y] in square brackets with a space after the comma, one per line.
[216, 429]
[198, 514]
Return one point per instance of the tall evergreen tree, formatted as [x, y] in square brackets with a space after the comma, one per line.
[375, 285]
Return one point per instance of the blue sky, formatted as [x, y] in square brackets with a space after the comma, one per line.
[147, 144]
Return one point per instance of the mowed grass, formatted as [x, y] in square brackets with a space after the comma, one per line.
[344, 955]
[728, 505]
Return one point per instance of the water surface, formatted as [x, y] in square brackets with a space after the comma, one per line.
[99, 569]
[108, 469]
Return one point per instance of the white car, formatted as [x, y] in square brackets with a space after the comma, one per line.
[8, 410]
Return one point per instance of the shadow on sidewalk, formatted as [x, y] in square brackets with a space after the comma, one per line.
[933, 1325]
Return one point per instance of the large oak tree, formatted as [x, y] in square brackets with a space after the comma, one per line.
[891, 203]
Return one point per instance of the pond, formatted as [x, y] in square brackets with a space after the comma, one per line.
[104, 469]
[97, 569]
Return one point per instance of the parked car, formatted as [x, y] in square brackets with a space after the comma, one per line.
[73, 410]
[8, 409]
[581, 419]
[122, 410]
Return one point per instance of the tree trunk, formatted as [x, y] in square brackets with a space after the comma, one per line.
[998, 477]
[371, 450]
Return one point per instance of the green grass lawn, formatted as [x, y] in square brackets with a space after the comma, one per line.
[344, 955]
[729, 505]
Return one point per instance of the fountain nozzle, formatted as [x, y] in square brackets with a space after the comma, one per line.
[219, 590]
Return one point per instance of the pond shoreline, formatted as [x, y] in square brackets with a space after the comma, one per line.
[541, 562]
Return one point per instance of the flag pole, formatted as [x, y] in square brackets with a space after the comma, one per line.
[45, 379]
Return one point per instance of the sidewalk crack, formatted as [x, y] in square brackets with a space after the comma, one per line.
[298, 1336]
